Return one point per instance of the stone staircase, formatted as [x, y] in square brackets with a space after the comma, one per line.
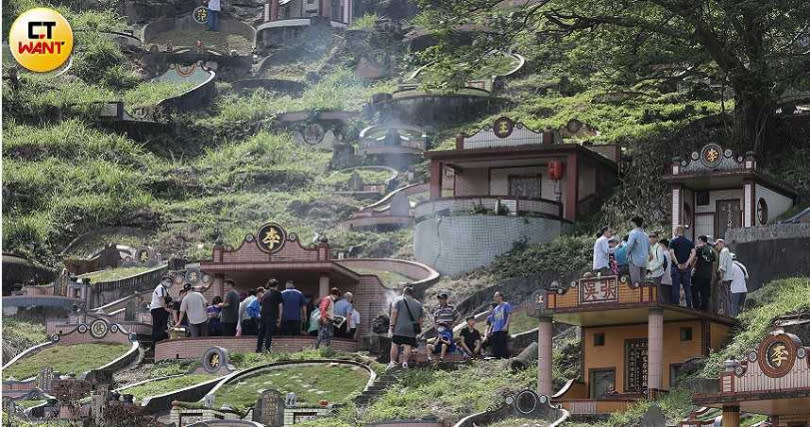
[380, 385]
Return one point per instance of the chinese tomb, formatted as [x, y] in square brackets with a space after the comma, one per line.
[507, 183]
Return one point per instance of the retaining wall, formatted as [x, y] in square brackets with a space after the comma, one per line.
[423, 275]
[458, 244]
[771, 252]
[193, 348]
[105, 292]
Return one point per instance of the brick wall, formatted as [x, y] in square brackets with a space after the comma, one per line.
[193, 348]
[370, 300]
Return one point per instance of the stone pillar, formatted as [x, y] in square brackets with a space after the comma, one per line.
[326, 8]
[571, 187]
[436, 180]
[731, 416]
[323, 285]
[655, 349]
[545, 332]
[749, 204]
[676, 206]
[347, 12]
[218, 287]
[274, 10]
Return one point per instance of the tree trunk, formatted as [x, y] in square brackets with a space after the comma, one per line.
[754, 106]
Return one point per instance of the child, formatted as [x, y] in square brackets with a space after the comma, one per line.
[443, 344]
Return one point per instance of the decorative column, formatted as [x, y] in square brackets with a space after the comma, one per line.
[436, 171]
[326, 8]
[749, 203]
[676, 206]
[219, 285]
[571, 187]
[323, 285]
[347, 12]
[545, 333]
[731, 416]
[655, 349]
[274, 10]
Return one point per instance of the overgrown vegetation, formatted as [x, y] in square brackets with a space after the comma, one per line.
[19, 335]
[154, 388]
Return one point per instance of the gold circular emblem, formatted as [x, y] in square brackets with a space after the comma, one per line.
[41, 40]
[503, 127]
[271, 237]
[777, 355]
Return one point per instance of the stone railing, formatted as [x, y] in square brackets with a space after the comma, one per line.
[489, 205]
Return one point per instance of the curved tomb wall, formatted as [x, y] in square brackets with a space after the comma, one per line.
[458, 244]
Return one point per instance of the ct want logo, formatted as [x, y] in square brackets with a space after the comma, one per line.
[41, 40]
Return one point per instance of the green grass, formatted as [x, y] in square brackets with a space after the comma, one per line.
[29, 403]
[449, 394]
[213, 39]
[155, 388]
[19, 335]
[775, 299]
[77, 358]
[150, 93]
[389, 278]
[113, 274]
[311, 383]
[369, 176]
[676, 405]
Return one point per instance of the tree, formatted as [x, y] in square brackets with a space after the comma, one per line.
[760, 49]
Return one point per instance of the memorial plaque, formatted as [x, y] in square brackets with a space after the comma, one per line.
[598, 290]
[269, 409]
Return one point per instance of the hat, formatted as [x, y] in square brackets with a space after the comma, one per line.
[719, 241]
[442, 295]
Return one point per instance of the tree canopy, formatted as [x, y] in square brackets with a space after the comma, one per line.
[759, 50]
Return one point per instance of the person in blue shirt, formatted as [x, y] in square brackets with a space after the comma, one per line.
[444, 343]
[499, 326]
[638, 251]
[343, 308]
[682, 251]
[294, 309]
[620, 255]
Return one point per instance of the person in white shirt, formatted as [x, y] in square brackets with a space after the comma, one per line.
[724, 270]
[666, 279]
[602, 251]
[214, 9]
[354, 322]
[159, 309]
[738, 288]
[195, 307]
[655, 266]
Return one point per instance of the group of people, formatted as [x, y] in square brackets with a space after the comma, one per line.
[262, 312]
[677, 267]
[405, 330]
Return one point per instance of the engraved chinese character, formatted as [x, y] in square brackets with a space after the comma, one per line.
[271, 238]
[712, 155]
[589, 291]
[778, 355]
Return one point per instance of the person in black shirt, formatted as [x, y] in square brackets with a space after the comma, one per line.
[702, 280]
[470, 339]
[682, 251]
[271, 309]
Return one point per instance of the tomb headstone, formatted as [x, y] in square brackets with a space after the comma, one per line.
[400, 205]
[654, 417]
[356, 182]
[269, 409]
[44, 379]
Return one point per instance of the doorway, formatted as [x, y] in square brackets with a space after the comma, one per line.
[602, 382]
[729, 215]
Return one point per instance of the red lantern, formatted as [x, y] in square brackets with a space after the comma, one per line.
[556, 169]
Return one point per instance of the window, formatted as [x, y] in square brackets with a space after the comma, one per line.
[674, 372]
[686, 334]
[525, 186]
[598, 339]
[702, 198]
[762, 211]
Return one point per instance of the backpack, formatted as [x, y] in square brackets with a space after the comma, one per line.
[254, 309]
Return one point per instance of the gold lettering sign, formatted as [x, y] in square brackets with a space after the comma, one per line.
[503, 127]
[777, 355]
[271, 237]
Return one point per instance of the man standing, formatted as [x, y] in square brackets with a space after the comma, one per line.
[354, 323]
[726, 273]
[601, 252]
[470, 341]
[406, 325]
[343, 308]
[326, 330]
[702, 279]
[294, 309]
[666, 278]
[248, 323]
[499, 320]
[682, 251]
[445, 314]
[214, 9]
[195, 308]
[638, 251]
[738, 288]
[230, 309]
[159, 309]
[272, 303]
[656, 267]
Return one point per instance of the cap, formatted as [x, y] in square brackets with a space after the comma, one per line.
[442, 295]
[719, 241]
[187, 286]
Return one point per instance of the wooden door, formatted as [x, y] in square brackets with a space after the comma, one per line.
[729, 215]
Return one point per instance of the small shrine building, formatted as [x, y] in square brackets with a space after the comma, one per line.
[632, 345]
[507, 183]
[772, 379]
[715, 189]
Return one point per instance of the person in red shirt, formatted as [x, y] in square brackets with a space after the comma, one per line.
[327, 308]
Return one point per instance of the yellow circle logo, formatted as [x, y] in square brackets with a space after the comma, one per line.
[41, 40]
